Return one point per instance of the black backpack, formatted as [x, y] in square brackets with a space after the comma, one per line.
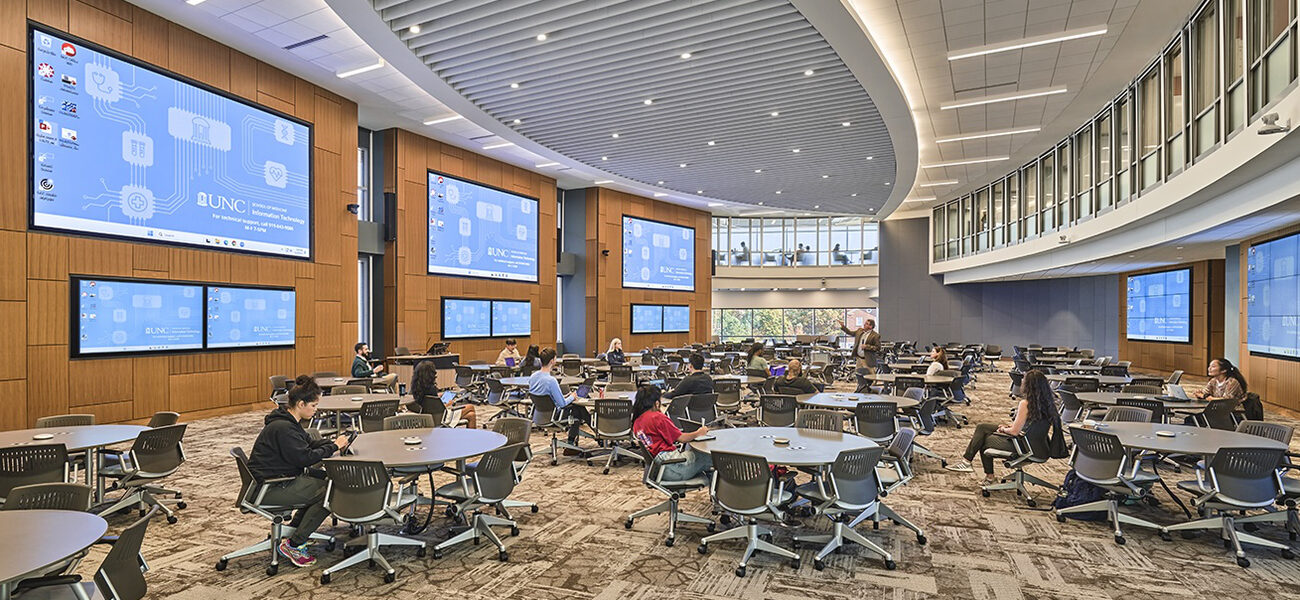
[1253, 406]
[1076, 491]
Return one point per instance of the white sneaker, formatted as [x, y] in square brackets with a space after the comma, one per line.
[961, 467]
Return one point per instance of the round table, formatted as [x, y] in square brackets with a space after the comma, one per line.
[1112, 399]
[47, 537]
[847, 401]
[523, 381]
[1102, 380]
[743, 379]
[591, 402]
[78, 438]
[438, 445]
[807, 447]
[635, 369]
[328, 383]
[929, 379]
[353, 402]
[1187, 439]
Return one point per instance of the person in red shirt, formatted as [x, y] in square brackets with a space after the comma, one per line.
[658, 434]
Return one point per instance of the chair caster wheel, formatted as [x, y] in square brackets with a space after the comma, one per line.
[330, 546]
[606, 471]
[819, 564]
[437, 553]
[766, 537]
[1119, 539]
[891, 565]
[943, 463]
[143, 512]
[1030, 502]
[1250, 527]
[390, 577]
[704, 549]
[221, 564]
[725, 519]
[533, 508]
[171, 519]
[554, 462]
[271, 570]
[421, 551]
[1060, 518]
[875, 524]
[920, 539]
[514, 531]
[711, 527]
[1164, 535]
[1288, 554]
[1153, 501]
[627, 524]
[589, 463]
[796, 563]
[181, 505]
[1243, 562]
[985, 493]
[503, 556]
[740, 571]
[668, 542]
[325, 579]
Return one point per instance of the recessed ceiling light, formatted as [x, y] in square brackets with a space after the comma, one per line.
[659, 183]
[1029, 42]
[683, 165]
[685, 55]
[443, 120]
[758, 170]
[871, 210]
[862, 288]
[194, 2]
[412, 29]
[825, 176]
[514, 86]
[778, 191]
[500, 145]
[845, 124]
[541, 37]
[870, 157]
[823, 289]
[1007, 97]
[968, 161]
[939, 183]
[604, 158]
[602, 182]
[1179, 258]
[647, 102]
[518, 121]
[794, 150]
[799, 289]
[359, 70]
[817, 206]
[742, 289]
[776, 114]
[886, 183]
[987, 134]
[1178, 247]
[809, 72]
[774, 289]
[712, 143]
[920, 199]
[1132, 256]
[613, 135]
[699, 191]
[854, 194]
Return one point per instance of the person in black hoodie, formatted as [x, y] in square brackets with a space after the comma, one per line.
[697, 382]
[283, 449]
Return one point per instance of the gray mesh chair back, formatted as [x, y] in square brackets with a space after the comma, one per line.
[1071, 408]
[358, 489]
[1098, 456]
[496, 391]
[49, 496]
[901, 446]
[1128, 414]
[65, 421]
[1272, 431]
[279, 383]
[756, 373]
[544, 410]
[158, 452]
[620, 386]
[1114, 370]
[517, 431]
[386, 384]
[915, 393]
[1080, 385]
[823, 420]
[1246, 477]
[1151, 381]
[702, 408]
[1175, 377]
[1017, 380]
[319, 374]
[875, 420]
[164, 418]
[728, 391]
[432, 405]
[119, 577]
[864, 382]
[613, 418]
[409, 421]
[349, 389]
[373, 414]
[1156, 407]
[494, 477]
[402, 351]
[677, 411]
[776, 410]
[902, 382]
[620, 374]
[742, 483]
[1218, 414]
[571, 367]
[853, 477]
[1131, 388]
[464, 376]
[499, 371]
[246, 480]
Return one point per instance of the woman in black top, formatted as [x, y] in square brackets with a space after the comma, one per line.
[283, 449]
[1034, 417]
[614, 356]
[532, 360]
[795, 380]
[424, 388]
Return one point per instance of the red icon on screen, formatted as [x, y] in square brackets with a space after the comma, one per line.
[69, 50]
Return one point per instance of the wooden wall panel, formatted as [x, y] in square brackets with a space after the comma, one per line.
[413, 294]
[1206, 322]
[609, 304]
[34, 275]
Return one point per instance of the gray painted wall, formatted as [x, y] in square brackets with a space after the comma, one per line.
[573, 289]
[1232, 303]
[914, 305]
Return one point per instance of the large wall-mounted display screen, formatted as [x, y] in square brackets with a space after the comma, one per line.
[463, 318]
[512, 318]
[1159, 306]
[647, 318]
[241, 317]
[1273, 298]
[117, 317]
[658, 255]
[677, 319]
[122, 149]
[480, 231]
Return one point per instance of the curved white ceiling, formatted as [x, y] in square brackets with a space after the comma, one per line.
[602, 59]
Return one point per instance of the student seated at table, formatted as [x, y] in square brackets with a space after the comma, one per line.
[697, 382]
[795, 380]
[657, 433]
[283, 449]
[509, 352]
[532, 360]
[1226, 381]
[938, 360]
[361, 362]
[543, 383]
[754, 357]
[424, 388]
[614, 356]
[1034, 417]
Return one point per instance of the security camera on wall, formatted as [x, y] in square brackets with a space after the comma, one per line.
[1063, 239]
[1270, 125]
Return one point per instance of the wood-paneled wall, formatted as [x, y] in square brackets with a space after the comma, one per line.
[1276, 380]
[412, 296]
[609, 304]
[37, 377]
[1206, 321]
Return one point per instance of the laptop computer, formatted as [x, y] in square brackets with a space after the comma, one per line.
[583, 391]
[778, 371]
[1175, 391]
[510, 361]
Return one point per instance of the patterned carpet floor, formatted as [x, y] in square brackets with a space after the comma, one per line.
[577, 548]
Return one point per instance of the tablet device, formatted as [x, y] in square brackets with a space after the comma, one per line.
[448, 396]
[510, 361]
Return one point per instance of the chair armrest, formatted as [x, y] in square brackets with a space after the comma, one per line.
[39, 582]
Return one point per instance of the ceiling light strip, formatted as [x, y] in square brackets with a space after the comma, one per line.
[987, 134]
[359, 70]
[939, 183]
[1029, 42]
[1008, 97]
[966, 161]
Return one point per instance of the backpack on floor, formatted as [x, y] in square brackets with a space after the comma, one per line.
[1076, 491]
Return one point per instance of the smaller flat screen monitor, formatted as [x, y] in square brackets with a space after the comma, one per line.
[647, 318]
[464, 318]
[241, 317]
[121, 317]
[658, 256]
[512, 318]
[1159, 306]
[677, 319]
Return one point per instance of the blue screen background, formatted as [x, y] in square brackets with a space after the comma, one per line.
[477, 231]
[115, 316]
[647, 318]
[677, 318]
[121, 150]
[1273, 297]
[1159, 306]
[512, 318]
[466, 318]
[658, 255]
[240, 317]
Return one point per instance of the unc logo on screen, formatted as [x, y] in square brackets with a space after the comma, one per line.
[217, 202]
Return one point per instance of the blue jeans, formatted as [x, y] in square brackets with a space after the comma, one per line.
[696, 463]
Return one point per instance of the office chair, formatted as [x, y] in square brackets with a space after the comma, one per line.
[517, 431]
[1239, 480]
[819, 419]
[743, 486]
[155, 455]
[27, 465]
[776, 410]
[493, 481]
[675, 490]
[80, 420]
[849, 489]
[551, 418]
[1024, 453]
[361, 493]
[613, 425]
[1156, 407]
[876, 421]
[49, 496]
[374, 412]
[1127, 414]
[349, 390]
[1218, 414]
[119, 577]
[1101, 460]
[251, 500]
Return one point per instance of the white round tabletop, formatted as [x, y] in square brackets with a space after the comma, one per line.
[437, 445]
[76, 438]
[1185, 439]
[46, 537]
[807, 447]
[847, 401]
[1112, 398]
[743, 379]
[353, 402]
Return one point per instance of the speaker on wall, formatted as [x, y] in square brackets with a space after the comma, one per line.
[713, 264]
[390, 216]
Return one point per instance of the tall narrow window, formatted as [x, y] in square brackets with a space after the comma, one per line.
[1175, 110]
[1047, 167]
[1205, 82]
[1013, 208]
[1083, 171]
[1031, 202]
[1234, 60]
[1271, 60]
[1149, 119]
[1104, 150]
[1124, 154]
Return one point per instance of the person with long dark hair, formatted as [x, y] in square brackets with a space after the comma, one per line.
[284, 449]
[1034, 417]
[532, 360]
[424, 388]
[754, 357]
[1226, 381]
[658, 434]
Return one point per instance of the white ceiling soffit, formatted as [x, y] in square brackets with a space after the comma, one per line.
[603, 58]
[917, 36]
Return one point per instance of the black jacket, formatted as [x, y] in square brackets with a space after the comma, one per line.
[284, 449]
[695, 383]
[800, 383]
[616, 358]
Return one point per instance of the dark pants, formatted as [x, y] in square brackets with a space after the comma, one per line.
[308, 493]
[581, 416]
[987, 436]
